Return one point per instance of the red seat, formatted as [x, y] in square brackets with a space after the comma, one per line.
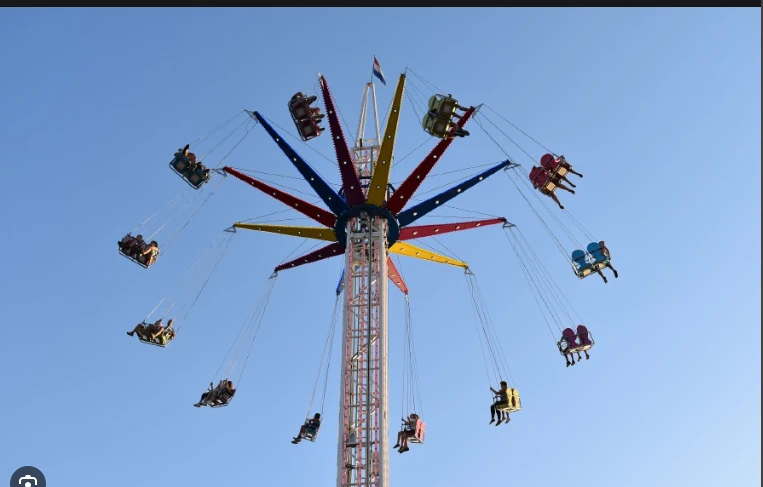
[550, 162]
[568, 335]
[307, 126]
[418, 433]
[299, 109]
[585, 340]
[539, 177]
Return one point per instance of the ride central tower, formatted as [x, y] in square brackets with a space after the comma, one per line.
[363, 417]
[365, 221]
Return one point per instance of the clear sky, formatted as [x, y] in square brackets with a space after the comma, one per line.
[658, 108]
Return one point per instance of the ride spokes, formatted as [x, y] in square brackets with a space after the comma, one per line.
[365, 219]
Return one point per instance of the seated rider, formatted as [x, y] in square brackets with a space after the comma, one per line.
[312, 425]
[608, 256]
[225, 391]
[563, 162]
[571, 344]
[217, 396]
[141, 329]
[539, 176]
[138, 246]
[130, 246]
[207, 396]
[148, 254]
[168, 334]
[604, 257]
[408, 430]
[154, 330]
[584, 340]
[553, 171]
[503, 400]
[126, 243]
[458, 131]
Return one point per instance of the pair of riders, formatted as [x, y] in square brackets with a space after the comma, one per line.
[217, 396]
[549, 172]
[151, 331]
[138, 249]
[314, 112]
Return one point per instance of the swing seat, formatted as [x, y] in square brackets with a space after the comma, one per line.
[585, 338]
[594, 250]
[141, 263]
[553, 165]
[299, 109]
[581, 265]
[444, 106]
[218, 403]
[311, 432]
[596, 260]
[586, 346]
[514, 404]
[418, 433]
[542, 180]
[181, 164]
[307, 126]
[435, 126]
[572, 342]
[308, 129]
[198, 177]
[568, 344]
[154, 342]
[162, 340]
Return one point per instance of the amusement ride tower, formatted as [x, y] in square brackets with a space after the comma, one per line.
[366, 223]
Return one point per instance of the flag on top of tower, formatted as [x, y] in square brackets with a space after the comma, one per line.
[378, 72]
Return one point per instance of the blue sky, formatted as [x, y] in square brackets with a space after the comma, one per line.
[659, 109]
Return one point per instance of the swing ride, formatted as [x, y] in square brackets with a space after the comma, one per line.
[368, 220]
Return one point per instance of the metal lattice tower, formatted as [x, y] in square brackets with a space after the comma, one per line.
[363, 443]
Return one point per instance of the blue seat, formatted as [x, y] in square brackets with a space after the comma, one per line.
[595, 250]
[579, 258]
[181, 164]
[311, 431]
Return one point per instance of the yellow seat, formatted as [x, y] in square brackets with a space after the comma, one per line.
[514, 404]
[436, 126]
[444, 106]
